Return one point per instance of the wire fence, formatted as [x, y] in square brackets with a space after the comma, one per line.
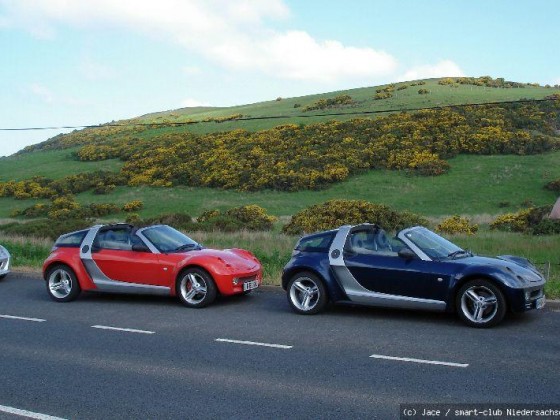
[274, 117]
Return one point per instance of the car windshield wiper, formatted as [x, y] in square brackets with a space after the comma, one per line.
[185, 247]
[457, 253]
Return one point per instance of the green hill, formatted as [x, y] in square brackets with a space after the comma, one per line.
[473, 185]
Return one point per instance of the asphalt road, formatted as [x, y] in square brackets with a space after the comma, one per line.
[185, 363]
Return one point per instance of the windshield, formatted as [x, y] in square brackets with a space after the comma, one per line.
[167, 239]
[433, 245]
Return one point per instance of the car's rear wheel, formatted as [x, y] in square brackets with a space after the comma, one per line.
[307, 293]
[62, 284]
[481, 304]
[196, 288]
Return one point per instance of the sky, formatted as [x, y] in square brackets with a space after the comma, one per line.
[85, 62]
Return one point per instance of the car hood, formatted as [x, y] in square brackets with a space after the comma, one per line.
[515, 266]
[238, 259]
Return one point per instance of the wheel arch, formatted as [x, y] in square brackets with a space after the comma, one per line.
[476, 276]
[54, 263]
[296, 270]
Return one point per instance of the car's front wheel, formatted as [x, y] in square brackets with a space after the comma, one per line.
[307, 293]
[196, 288]
[481, 304]
[62, 284]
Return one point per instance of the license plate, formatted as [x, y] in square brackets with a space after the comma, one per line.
[539, 303]
[250, 285]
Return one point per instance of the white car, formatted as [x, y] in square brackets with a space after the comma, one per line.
[4, 262]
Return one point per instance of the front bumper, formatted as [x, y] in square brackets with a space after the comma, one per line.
[528, 298]
[4, 266]
[232, 284]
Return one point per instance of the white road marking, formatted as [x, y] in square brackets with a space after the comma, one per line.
[105, 327]
[253, 343]
[28, 414]
[22, 318]
[429, 362]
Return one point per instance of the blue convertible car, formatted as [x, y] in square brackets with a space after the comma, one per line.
[416, 269]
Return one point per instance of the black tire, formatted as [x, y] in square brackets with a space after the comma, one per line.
[62, 283]
[481, 304]
[2, 276]
[204, 292]
[307, 294]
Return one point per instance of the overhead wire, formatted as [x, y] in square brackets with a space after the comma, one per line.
[272, 117]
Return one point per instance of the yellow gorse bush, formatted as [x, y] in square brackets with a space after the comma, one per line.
[295, 157]
[335, 213]
[457, 224]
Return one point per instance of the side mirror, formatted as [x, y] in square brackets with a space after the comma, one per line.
[140, 248]
[407, 254]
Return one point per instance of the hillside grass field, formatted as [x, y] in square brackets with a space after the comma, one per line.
[406, 99]
[475, 185]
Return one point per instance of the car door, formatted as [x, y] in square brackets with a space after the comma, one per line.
[380, 269]
[113, 254]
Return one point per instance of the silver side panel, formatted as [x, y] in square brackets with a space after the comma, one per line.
[140, 234]
[104, 283]
[336, 250]
[421, 254]
[359, 294]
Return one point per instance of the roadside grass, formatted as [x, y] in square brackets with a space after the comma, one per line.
[274, 250]
[475, 185]
[26, 252]
[540, 250]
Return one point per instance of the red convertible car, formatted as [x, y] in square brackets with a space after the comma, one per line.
[155, 259]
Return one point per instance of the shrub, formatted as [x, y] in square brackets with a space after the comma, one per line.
[423, 91]
[46, 228]
[457, 224]
[337, 101]
[547, 227]
[382, 95]
[222, 223]
[335, 213]
[134, 219]
[532, 220]
[512, 222]
[428, 164]
[553, 186]
[177, 220]
[133, 205]
[100, 210]
[250, 217]
[104, 188]
[207, 215]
